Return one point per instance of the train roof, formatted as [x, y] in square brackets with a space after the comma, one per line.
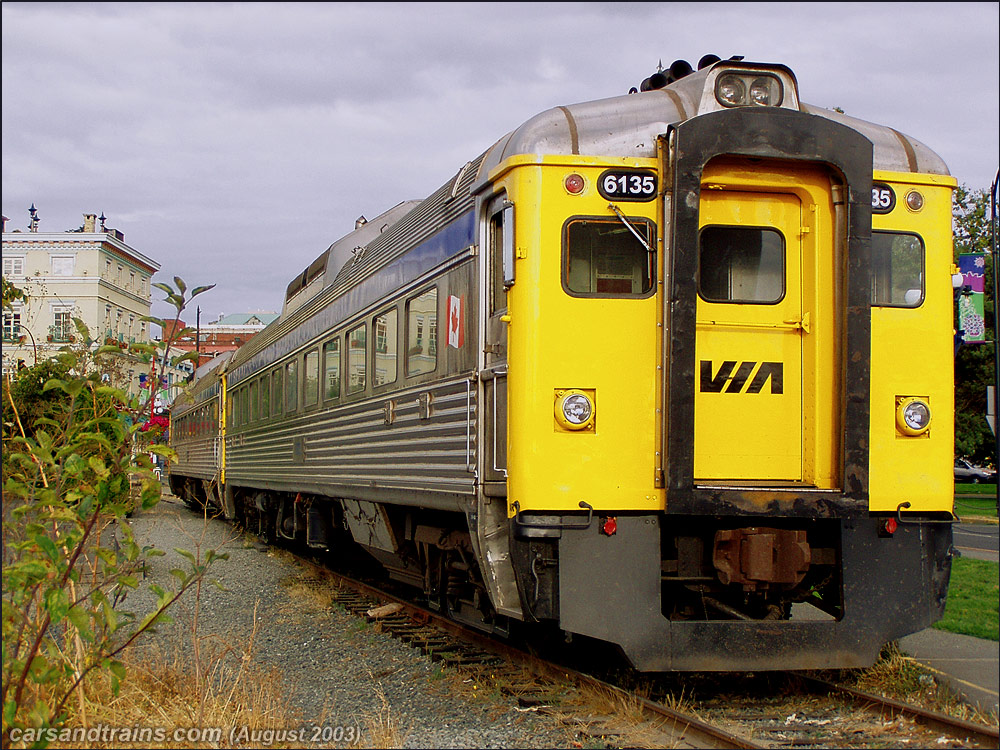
[629, 125]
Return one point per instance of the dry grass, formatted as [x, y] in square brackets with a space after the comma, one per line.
[382, 727]
[231, 697]
[898, 676]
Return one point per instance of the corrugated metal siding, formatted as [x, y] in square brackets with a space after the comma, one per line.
[352, 446]
[197, 457]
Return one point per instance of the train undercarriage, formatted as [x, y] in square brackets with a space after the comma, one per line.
[693, 592]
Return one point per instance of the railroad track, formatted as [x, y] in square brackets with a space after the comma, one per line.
[840, 717]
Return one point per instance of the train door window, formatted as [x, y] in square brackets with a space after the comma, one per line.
[292, 386]
[604, 258]
[501, 228]
[265, 396]
[421, 333]
[897, 269]
[331, 369]
[741, 264]
[310, 379]
[356, 355]
[276, 392]
[384, 329]
[253, 401]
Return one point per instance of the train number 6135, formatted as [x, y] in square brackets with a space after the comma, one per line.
[627, 185]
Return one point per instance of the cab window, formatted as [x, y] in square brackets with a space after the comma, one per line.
[604, 258]
[897, 270]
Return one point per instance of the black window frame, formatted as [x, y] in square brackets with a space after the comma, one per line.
[635, 222]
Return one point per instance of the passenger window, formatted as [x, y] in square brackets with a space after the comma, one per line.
[292, 385]
[331, 369]
[741, 264]
[421, 333]
[311, 379]
[276, 391]
[253, 401]
[265, 397]
[356, 342]
[897, 270]
[603, 258]
[384, 327]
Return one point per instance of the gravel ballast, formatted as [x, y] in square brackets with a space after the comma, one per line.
[337, 673]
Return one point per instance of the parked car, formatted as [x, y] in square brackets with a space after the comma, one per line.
[966, 471]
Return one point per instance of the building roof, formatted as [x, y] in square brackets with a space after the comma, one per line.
[246, 319]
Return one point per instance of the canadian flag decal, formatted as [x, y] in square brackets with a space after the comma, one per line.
[456, 321]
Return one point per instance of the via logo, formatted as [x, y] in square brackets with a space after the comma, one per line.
[738, 377]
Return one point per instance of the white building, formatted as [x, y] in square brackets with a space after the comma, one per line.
[89, 274]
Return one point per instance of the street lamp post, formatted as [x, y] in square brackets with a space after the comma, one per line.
[996, 331]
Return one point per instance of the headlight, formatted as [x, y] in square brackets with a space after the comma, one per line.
[731, 91]
[913, 415]
[740, 90]
[574, 410]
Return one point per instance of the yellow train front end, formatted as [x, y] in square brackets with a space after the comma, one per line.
[729, 393]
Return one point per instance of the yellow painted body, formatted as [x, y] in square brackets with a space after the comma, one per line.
[611, 348]
[557, 342]
[913, 355]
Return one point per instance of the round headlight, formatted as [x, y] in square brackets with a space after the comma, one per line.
[760, 92]
[913, 416]
[731, 91]
[574, 410]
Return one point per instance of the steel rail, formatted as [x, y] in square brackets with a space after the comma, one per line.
[983, 736]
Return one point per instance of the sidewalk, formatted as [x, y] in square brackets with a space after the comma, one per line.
[970, 666]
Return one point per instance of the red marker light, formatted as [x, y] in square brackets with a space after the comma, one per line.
[610, 526]
[574, 184]
[891, 525]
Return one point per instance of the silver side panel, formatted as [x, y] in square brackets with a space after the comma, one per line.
[197, 457]
[395, 443]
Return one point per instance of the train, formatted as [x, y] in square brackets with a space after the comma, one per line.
[669, 371]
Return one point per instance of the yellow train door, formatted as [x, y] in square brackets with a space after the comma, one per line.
[749, 341]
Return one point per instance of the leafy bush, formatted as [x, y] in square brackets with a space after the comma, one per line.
[75, 464]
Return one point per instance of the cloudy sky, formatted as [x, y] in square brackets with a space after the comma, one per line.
[232, 143]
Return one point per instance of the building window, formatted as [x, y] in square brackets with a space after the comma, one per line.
[62, 324]
[12, 323]
[62, 265]
[107, 270]
[13, 266]
[120, 269]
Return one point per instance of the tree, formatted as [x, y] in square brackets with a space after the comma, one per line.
[974, 363]
[75, 465]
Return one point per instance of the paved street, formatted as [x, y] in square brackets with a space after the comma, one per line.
[978, 541]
